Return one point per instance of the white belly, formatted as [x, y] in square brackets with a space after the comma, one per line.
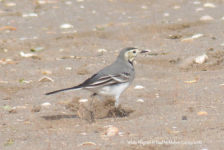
[114, 90]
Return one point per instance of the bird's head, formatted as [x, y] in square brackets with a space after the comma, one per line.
[130, 53]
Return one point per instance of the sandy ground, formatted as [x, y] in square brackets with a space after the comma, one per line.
[182, 105]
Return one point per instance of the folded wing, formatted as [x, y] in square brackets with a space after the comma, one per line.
[108, 80]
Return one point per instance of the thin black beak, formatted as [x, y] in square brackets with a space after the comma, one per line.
[145, 51]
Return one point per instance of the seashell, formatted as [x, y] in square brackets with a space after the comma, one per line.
[176, 7]
[112, 131]
[68, 68]
[87, 143]
[45, 79]
[121, 133]
[83, 100]
[66, 25]
[10, 4]
[68, 3]
[101, 50]
[196, 36]
[196, 2]
[209, 5]
[201, 59]
[206, 18]
[22, 54]
[202, 113]
[187, 40]
[199, 9]
[30, 15]
[46, 104]
[166, 14]
[27, 81]
[144, 7]
[140, 100]
[139, 87]
[191, 81]
[37, 49]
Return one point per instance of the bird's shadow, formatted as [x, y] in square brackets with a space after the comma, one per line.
[58, 117]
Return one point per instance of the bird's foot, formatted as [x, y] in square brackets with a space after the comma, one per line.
[92, 116]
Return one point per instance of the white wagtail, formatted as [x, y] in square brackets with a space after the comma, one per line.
[114, 79]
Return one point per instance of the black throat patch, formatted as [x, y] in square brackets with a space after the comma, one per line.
[130, 62]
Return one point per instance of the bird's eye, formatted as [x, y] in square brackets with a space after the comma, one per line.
[134, 52]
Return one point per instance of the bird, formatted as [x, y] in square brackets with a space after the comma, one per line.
[112, 80]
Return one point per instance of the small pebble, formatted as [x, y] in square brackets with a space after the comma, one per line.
[13, 110]
[184, 117]
[47, 72]
[36, 109]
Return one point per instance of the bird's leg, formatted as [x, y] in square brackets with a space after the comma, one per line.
[93, 95]
[91, 112]
[113, 113]
[119, 108]
[116, 101]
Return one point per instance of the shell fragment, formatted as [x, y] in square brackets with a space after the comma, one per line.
[204, 18]
[83, 100]
[66, 26]
[201, 59]
[22, 54]
[46, 104]
[101, 50]
[196, 36]
[46, 79]
[139, 87]
[140, 100]
[209, 5]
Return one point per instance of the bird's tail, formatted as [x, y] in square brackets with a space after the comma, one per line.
[71, 88]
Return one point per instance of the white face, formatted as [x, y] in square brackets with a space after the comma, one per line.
[131, 54]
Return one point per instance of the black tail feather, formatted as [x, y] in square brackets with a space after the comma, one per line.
[71, 88]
